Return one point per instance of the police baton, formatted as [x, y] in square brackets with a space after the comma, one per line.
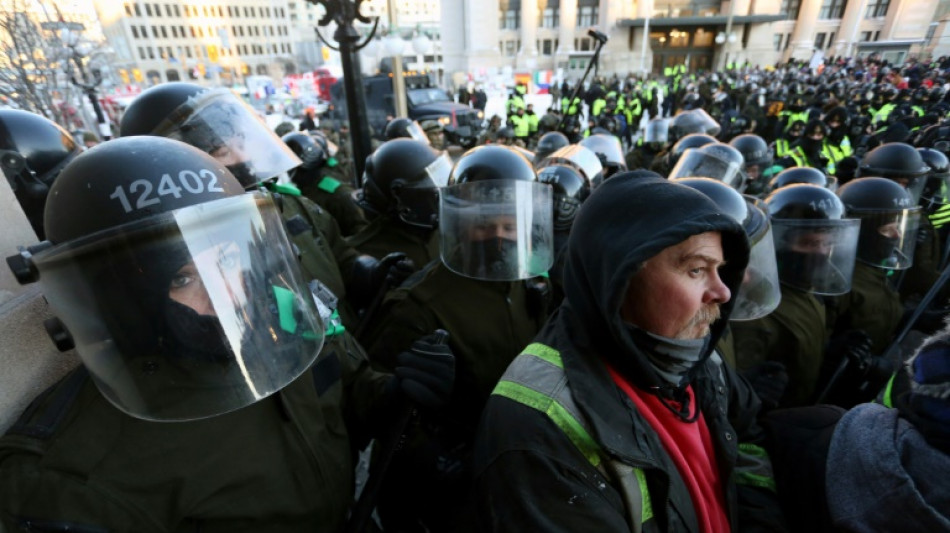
[921, 307]
[390, 442]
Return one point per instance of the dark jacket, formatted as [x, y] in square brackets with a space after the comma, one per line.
[285, 463]
[530, 476]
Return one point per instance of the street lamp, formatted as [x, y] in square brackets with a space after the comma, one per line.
[343, 13]
[70, 36]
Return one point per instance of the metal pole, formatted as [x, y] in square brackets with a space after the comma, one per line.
[646, 39]
[577, 88]
[347, 36]
[399, 82]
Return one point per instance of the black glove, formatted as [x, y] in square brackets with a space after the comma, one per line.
[426, 372]
[396, 267]
[371, 277]
[853, 344]
[769, 380]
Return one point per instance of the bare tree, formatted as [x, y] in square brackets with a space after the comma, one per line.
[33, 61]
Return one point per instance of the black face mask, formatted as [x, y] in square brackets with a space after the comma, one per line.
[802, 269]
[811, 146]
[196, 336]
[494, 257]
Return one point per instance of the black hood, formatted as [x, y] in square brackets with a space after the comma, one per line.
[630, 218]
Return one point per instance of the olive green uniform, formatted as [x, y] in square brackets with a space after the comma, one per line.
[872, 306]
[322, 251]
[488, 324]
[331, 191]
[384, 236]
[794, 335]
[918, 279]
[285, 463]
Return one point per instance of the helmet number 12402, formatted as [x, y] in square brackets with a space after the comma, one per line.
[144, 194]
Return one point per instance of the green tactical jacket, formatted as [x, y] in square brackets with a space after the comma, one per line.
[872, 306]
[794, 335]
[73, 462]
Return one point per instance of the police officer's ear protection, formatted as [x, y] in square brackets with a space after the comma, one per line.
[20, 176]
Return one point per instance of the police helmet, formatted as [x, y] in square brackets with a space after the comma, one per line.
[571, 187]
[608, 149]
[549, 143]
[400, 127]
[402, 180]
[33, 152]
[215, 121]
[889, 220]
[182, 294]
[306, 148]
[793, 175]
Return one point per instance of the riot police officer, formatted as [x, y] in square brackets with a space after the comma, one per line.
[33, 151]
[758, 159]
[319, 179]
[204, 400]
[815, 247]
[900, 162]
[495, 231]
[401, 189]
[888, 234]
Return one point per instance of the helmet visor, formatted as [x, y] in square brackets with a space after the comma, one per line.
[695, 163]
[888, 239]
[760, 292]
[498, 230]
[657, 131]
[218, 122]
[416, 132]
[583, 158]
[816, 256]
[188, 314]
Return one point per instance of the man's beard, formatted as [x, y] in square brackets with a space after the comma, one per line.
[706, 316]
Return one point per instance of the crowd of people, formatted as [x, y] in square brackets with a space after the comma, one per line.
[697, 302]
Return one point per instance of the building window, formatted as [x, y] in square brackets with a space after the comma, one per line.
[587, 16]
[150, 50]
[788, 40]
[135, 32]
[832, 9]
[164, 33]
[790, 8]
[143, 32]
[175, 31]
[510, 48]
[820, 40]
[584, 45]
[148, 9]
[930, 33]
[831, 39]
[168, 10]
[777, 42]
[547, 47]
[142, 53]
[138, 13]
[128, 9]
[550, 18]
[877, 8]
[158, 10]
[866, 36]
[177, 11]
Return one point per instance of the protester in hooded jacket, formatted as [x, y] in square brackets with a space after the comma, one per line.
[607, 423]
[875, 467]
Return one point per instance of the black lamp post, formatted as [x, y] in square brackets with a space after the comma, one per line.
[87, 85]
[343, 13]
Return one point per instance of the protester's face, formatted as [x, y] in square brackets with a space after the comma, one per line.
[216, 269]
[678, 292]
[753, 172]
